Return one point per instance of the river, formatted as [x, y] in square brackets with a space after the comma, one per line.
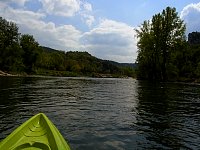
[106, 114]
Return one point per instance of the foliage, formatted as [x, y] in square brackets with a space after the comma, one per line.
[9, 44]
[22, 54]
[30, 48]
[79, 64]
[158, 43]
[163, 52]
[194, 38]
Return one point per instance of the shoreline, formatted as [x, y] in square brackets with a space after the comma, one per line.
[5, 74]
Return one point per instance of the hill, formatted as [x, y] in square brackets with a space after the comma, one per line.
[131, 65]
[21, 54]
[76, 63]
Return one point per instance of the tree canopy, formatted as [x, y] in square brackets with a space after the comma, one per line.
[159, 39]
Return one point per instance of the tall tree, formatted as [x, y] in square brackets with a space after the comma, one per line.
[31, 48]
[10, 51]
[157, 41]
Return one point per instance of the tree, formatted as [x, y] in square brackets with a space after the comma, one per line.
[10, 51]
[31, 48]
[157, 41]
[194, 38]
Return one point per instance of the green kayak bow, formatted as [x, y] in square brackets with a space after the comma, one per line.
[36, 133]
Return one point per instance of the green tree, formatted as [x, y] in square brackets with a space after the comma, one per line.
[30, 48]
[10, 51]
[58, 60]
[13, 61]
[157, 42]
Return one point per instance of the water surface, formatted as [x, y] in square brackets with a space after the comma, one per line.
[106, 113]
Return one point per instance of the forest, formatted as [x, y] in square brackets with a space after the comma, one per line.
[164, 53]
[21, 54]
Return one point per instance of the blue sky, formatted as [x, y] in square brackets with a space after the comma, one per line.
[104, 28]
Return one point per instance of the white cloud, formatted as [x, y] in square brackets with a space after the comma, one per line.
[108, 40]
[18, 2]
[111, 40]
[47, 34]
[88, 19]
[87, 6]
[85, 13]
[64, 37]
[190, 8]
[20, 16]
[191, 15]
[67, 8]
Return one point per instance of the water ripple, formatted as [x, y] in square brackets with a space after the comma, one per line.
[106, 113]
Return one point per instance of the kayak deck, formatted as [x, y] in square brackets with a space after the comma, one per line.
[36, 133]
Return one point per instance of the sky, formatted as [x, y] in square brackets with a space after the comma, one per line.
[104, 28]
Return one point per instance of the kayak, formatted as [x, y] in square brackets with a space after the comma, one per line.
[36, 133]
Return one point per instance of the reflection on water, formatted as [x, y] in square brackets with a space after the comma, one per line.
[106, 113]
[169, 115]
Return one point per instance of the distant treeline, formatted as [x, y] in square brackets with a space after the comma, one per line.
[21, 53]
[163, 51]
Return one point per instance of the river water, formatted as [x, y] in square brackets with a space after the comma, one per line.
[106, 114]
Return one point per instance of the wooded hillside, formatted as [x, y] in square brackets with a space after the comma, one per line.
[22, 54]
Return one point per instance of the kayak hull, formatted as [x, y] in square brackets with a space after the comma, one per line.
[36, 133]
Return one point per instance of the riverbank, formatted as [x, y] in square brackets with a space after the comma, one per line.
[6, 74]
[53, 73]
